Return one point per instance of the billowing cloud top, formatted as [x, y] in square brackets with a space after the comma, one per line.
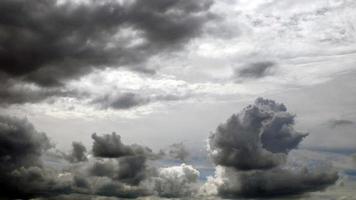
[251, 151]
[257, 138]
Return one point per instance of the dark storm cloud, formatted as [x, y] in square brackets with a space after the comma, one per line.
[78, 153]
[254, 70]
[20, 144]
[334, 123]
[257, 138]
[21, 171]
[47, 43]
[252, 147]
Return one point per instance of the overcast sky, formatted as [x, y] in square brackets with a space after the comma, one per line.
[160, 72]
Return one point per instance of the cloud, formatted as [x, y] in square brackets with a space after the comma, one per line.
[274, 182]
[262, 132]
[21, 145]
[176, 181]
[127, 164]
[127, 100]
[19, 92]
[121, 101]
[178, 151]
[335, 123]
[110, 146]
[255, 70]
[60, 41]
[78, 153]
[22, 174]
[252, 148]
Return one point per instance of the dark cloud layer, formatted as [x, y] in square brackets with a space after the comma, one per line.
[252, 147]
[46, 42]
[254, 70]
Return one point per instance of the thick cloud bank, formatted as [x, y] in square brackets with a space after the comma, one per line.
[22, 174]
[115, 169]
[46, 43]
[60, 40]
[252, 148]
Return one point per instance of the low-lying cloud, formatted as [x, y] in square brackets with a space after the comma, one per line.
[250, 151]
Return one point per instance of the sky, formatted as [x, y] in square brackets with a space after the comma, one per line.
[214, 98]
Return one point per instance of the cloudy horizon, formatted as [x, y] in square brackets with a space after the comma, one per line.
[155, 99]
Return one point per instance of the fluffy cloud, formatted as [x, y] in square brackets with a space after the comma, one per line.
[252, 148]
[177, 181]
[262, 132]
[110, 146]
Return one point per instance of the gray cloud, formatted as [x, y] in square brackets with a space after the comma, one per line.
[127, 100]
[61, 41]
[78, 153]
[129, 166]
[275, 182]
[110, 146]
[334, 123]
[18, 92]
[254, 70]
[175, 182]
[257, 138]
[116, 170]
[121, 101]
[178, 151]
[252, 148]
[22, 174]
